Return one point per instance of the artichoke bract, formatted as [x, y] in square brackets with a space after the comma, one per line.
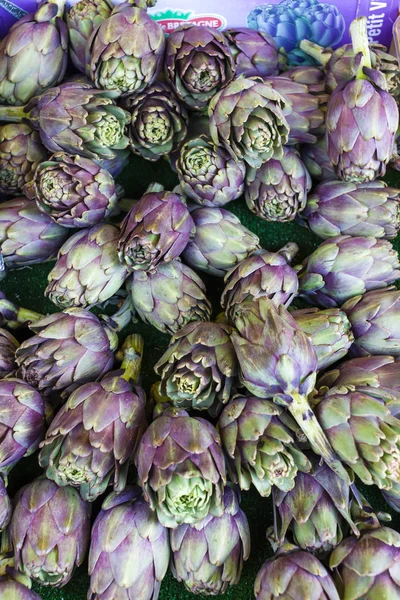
[262, 273]
[82, 19]
[67, 349]
[357, 209]
[311, 76]
[5, 506]
[157, 228]
[87, 271]
[20, 152]
[199, 367]
[126, 50]
[208, 556]
[13, 590]
[92, 440]
[316, 510]
[277, 191]
[171, 297]
[317, 161]
[8, 346]
[23, 418]
[259, 439]
[330, 333]
[158, 122]
[73, 190]
[34, 54]
[208, 174]
[293, 573]
[27, 236]
[220, 242]
[247, 119]
[60, 520]
[375, 321]
[181, 468]
[344, 266]
[198, 63]
[135, 566]
[13, 316]
[254, 52]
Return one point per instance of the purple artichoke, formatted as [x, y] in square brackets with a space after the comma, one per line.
[220, 242]
[8, 346]
[277, 191]
[5, 508]
[13, 316]
[356, 209]
[93, 439]
[68, 349]
[73, 190]
[254, 52]
[49, 531]
[135, 565]
[208, 556]
[126, 51]
[87, 271]
[247, 119]
[158, 123]
[34, 54]
[28, 236]
[171, 297]
[13, 590]
[115, 165]
[344, 266]
[317, 161]
[158, 227]
[261, 274]
[181, 468]
[309, 75]
[198, 63]
[82, 19]
[20, 152]
[23, 417]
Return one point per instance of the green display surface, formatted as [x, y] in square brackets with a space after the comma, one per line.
[26, 286]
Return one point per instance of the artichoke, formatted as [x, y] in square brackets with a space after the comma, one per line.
[27, 236]
[277, 191]
[375, 321]
[330, 333]
[262, 273]
[5, 507]
[171, 297]
[220, 242]
[126, 51]
[20, 152]
[34, 54]
[199, 367]
[317, 161]
[311, 76]
[73, 190]
[247, 119]
[259, 439]
[344, 266]
[49, 531]
[157, 228]
[357, 209]
[254, 52]
[303, 110]
[208, 556]
[8, 346]
[208, 174]
[87, 271]
[23, 417]
[13, 590]
[198, 63]
[181, 468]
[158, 122]
[316, 510]
[13, 316]
[68, 349]
[93, 438]
[135, 565]
[82, 19]
[293, 573]
[115, 165]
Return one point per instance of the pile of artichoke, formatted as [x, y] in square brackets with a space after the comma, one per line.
[182, 363]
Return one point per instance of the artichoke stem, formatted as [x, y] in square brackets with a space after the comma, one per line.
[132, 350]
[154, 188]
[289, 251]
[307, 421]
[125, 204]
[359, 40]
[26, 317]
[13, 114]
[321, 54]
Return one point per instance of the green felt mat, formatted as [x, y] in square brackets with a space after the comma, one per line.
[26, 287]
